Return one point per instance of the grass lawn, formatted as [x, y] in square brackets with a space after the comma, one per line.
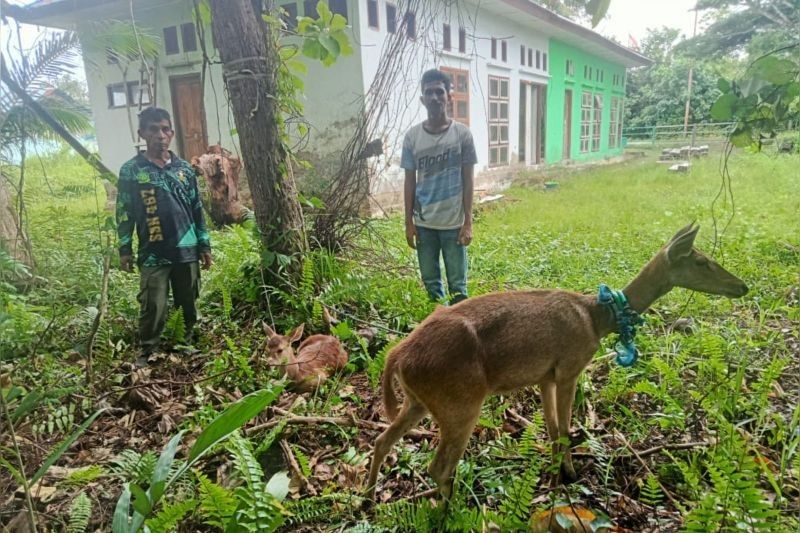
[714, 414]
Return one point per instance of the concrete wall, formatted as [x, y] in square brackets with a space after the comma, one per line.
[116, 128]
[560, 52]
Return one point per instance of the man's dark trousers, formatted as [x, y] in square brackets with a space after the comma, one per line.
[154, 285]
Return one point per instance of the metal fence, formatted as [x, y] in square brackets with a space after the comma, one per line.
[675, 134]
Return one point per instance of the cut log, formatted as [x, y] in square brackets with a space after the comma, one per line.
[220, 170]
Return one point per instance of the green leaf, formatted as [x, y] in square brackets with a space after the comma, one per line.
[278, 486]
[741, 138]
[141, 502]
[166, 459]
[323, 11]
[121, 522]
[724, 85]
[722, 109]
[312, 48]
[62, 447]
[27, 404]
[344, 43]
[597, 9]
[232, 418]
[774, 70]
[338, 22]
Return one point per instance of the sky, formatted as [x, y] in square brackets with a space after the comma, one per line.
[634, 17]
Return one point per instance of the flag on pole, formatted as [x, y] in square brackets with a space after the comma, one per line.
[633, 43]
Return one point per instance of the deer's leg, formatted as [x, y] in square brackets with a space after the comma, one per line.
[548, 390]
[454, 435]
[410, 414]
[565, 397]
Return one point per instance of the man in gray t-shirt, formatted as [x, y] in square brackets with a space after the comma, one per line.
[439, 158]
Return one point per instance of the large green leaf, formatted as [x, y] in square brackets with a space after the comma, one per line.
[722, 109]
[597, 9]
[121, 522]
[774, 70]
[232, 419]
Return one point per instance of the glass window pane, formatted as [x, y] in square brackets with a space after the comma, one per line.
[493, 90]
[503, 110]
[461, 83]
[461, 109]
[504, 88]
[492, 155]
[493, 134]
[391, 18]
[171, 40]
[117, 96]
[503, 157]
[493, 110]
[188, 37]
[503, 133]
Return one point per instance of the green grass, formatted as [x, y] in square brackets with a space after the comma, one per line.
[733, 382]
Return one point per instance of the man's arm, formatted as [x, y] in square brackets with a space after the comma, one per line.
[125, 222]
[409, 193]
[467, 182]
[203, 239]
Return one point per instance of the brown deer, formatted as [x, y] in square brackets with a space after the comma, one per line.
[501, 342]
[317, 357]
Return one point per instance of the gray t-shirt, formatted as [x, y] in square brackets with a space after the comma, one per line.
[437, 158]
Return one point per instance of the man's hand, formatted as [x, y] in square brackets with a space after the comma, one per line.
[126, 263]
[205, 260]
[465, 235]
[412, 237]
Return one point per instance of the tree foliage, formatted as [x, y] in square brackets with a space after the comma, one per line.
[657, 94]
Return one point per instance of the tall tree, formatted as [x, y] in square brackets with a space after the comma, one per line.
[657, 94]
[250, 60]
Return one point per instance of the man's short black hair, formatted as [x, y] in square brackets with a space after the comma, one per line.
[153, 114]
[434, 75]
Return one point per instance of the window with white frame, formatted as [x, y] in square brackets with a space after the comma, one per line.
[597, 120]
[586, 121]
[613, 125]
[391, 18]
[498, 120]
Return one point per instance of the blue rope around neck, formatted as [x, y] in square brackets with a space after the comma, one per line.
[627, 320]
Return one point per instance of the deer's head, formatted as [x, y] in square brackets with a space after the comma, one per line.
[279, 347]
[691, 269]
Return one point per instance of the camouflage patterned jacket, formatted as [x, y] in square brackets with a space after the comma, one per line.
[164, 206]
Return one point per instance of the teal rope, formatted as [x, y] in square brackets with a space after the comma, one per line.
[627, 320]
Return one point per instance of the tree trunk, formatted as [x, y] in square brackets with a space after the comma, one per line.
[250, 64]
[12, 238]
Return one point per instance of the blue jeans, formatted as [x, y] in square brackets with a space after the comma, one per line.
[430, 244]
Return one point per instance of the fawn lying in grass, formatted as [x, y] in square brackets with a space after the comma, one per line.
[504, 341]
[317, 357]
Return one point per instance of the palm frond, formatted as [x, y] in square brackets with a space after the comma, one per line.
[52, 56]
[119, 41]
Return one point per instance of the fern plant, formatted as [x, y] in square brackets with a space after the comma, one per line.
[217, 504]
[170, 515]
[175, 327]
[515, 509]
[132, 466]
[80, 511]
[257, 509]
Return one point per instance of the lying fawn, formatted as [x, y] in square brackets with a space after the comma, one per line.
[317, 357]
[501, 342]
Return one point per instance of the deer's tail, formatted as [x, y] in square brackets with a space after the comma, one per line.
[387, 386]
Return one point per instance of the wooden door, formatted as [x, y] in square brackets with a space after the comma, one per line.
[567, 148]
[458, 108]
[189, 115]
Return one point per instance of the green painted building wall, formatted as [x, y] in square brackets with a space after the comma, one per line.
[580, 80]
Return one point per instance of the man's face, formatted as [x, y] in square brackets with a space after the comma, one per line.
[435, 97]
[157, 135]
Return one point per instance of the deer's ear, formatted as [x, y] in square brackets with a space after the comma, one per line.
[268, 330]
[683, 231]
[295, 335]
[681, 244]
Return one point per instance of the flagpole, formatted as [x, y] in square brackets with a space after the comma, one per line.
[689, 85]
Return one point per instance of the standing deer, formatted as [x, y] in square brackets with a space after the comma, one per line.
[317, 357]
[501, 342]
